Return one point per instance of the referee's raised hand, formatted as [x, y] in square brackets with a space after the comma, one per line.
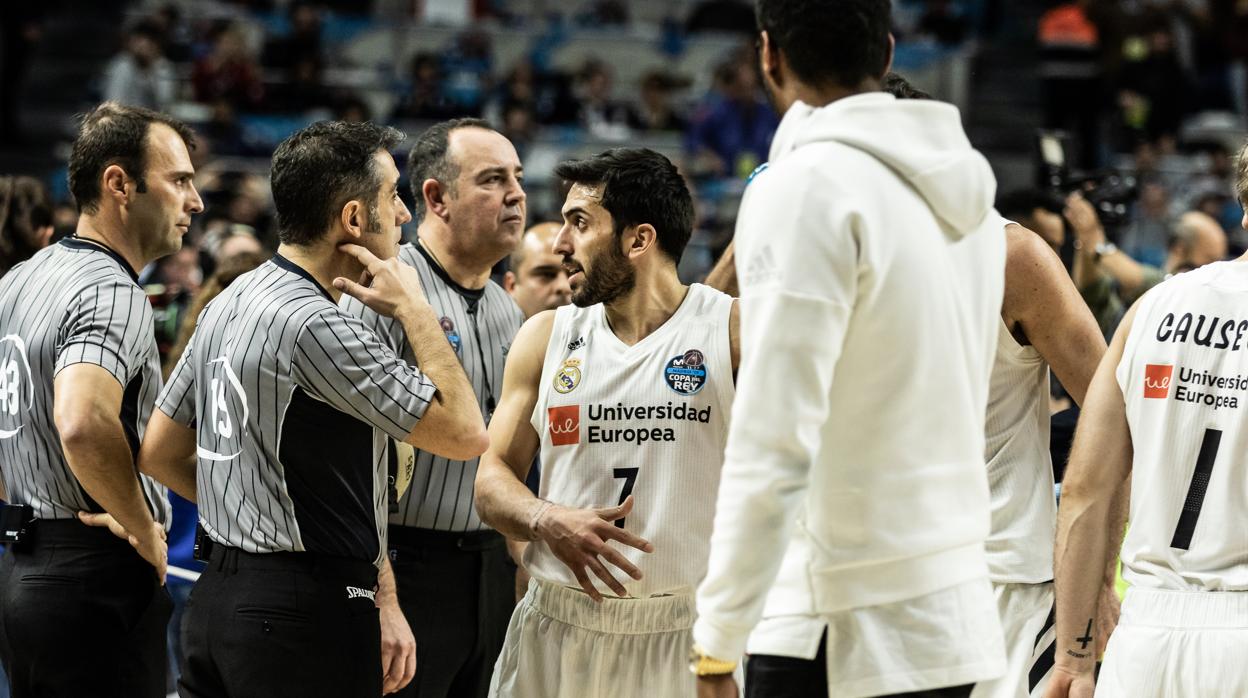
[388, 286]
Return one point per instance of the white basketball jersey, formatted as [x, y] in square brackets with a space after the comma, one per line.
[1020, 469]
[649, 420]
[1184, 378]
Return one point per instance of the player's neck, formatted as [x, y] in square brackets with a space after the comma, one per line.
[652, 302]
[468, 273]
[102, 229]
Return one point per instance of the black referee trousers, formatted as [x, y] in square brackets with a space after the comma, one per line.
[282, 624]
[81, 614]
[769, 676]
[457, 591]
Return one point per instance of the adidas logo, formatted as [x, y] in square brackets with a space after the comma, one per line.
[576, 344]
[761, 268]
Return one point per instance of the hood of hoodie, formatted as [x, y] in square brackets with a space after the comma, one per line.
[920, 140]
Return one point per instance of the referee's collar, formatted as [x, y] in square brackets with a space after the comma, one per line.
[78, 243]
[293, 268]
[472, 295]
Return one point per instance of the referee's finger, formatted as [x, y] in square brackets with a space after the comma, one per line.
[392, 669]
[361, 254]
[350, 287]
[409, 669]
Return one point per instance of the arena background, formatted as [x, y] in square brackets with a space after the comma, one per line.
[1143, 101]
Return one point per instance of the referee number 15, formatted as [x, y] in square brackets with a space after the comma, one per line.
[220, 419]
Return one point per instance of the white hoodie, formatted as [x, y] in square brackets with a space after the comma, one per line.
[871, 268]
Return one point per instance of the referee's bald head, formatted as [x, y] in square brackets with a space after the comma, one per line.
[319, 169]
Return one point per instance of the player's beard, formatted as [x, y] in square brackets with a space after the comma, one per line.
[612, 277]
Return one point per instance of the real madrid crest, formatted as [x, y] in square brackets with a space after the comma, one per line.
[568, 376]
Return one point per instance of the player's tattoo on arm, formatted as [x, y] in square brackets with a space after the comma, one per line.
[1083, 643]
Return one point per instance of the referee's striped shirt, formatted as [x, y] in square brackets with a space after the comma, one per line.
[71, 303]
[293, 402]
[480, 325]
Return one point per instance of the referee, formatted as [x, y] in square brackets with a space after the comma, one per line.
[289, 404]
[456, 582]
[81, 611]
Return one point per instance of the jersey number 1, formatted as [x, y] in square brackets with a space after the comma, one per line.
[1196, 491]
[629, 475]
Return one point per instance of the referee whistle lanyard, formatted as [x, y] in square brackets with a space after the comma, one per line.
[471, 309]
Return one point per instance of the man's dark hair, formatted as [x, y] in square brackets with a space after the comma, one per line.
[829, 42]
[320, 168]
[1021, 203]
[114, 134]
[428, 159]
[901, 88]
[639, 186]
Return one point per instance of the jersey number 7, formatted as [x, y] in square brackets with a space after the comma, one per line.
[629, 475]
[1196, 491]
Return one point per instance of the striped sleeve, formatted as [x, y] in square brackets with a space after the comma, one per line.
[177, 400]
[387, 329]
[110, 326]
[339, 360]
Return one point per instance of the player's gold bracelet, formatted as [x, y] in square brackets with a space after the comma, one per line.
[702, 664]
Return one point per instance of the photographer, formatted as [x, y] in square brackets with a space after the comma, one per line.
[1110, 280]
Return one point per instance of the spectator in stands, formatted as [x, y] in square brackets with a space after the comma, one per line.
[942, 23]
[352, 109]
[1154, 94]
[604, 13]
[302, 43]
[141, 76]
[1147, 236]
[1110, 281]
[25, 220]
[519, 126]
[655, 112]
[226, 240]
[425, 99]
[467, 68]
[303, 88]
[735, 16]
[228, 72]
[1070, 74]
[222, 134]
[600, 115]
[730, 134]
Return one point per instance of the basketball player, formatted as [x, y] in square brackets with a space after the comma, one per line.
[536, 279]
[855, 504]
[627, 395]
[83, 613]
[1044, 324]
[288, 404]
[1165, 408]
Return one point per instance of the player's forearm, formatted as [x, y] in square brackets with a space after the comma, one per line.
[97, 452]
[1126, 271]
[1082, 553]
[504, 502]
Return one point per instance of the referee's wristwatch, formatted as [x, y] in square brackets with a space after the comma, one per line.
[703, 664]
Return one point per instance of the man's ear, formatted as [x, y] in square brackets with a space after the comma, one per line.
[435, 198]
[769, 59]
[113, 184]
[352, 219]
[509, 281]
[642, 238]
[892, 52]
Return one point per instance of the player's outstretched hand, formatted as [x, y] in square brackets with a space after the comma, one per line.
[150, 544]
[578, 537]
[719, 686]
[388, 286]
[1067, 684]
[398, 649]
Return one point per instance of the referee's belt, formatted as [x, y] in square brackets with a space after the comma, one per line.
[424, 538]
[228, 559]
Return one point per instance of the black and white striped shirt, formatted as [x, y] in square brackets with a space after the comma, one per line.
[480, 324]
[71, 303]
[293, 402]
